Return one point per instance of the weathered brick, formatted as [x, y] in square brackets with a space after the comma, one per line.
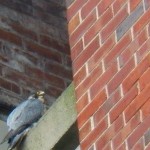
[53, 43]
[10, 37]
[86, 24]
[98, 25]
[23, 31]
[113, 24]
[122, 147]
[37, 49]
[129, 21]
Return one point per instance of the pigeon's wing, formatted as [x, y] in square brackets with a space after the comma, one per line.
[25, 114]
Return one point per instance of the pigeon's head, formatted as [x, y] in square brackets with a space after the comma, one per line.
[40, 95]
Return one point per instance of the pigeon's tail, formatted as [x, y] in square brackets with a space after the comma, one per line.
[18, 139]
[8, 135]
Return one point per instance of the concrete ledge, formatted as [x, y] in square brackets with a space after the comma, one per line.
[54, 124]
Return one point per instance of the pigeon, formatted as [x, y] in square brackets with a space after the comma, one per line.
[22, 118]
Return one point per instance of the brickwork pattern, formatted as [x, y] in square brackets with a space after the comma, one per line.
[110, 43]
[34, 49]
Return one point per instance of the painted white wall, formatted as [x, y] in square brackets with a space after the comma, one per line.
[3, 132]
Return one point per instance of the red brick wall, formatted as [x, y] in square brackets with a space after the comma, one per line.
[34, 49]
[110, 43]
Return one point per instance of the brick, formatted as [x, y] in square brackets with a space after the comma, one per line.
[133, 47]
[147, 4]
[143, 51]
[113, 24]
[82, 103]
[117, 5]
[119, 139]
[86, 54]
[80, 76]
[108, 146]
[117, 49]
[120, 76]
[90, 139]
[147, 137]
[106, 107]
[50, 42]
[45, 52]
[149, 29]
[134, 4]
[145, 109]
[80, 31]
[123, 103]
[148, 147]
[141, 23]
[139, 145]
[53, 91]
[76, 50]
[91, 108]
[110, 133]
[74, 8]
[98, 25]
[122, 147]
[137, 103]
[103, 80]
[10, 37]
[88, 7]
[23, 31]
[96, 58]
[135, 75]
[73, 23]
[58, 70]
[85, 130]
[138, 132]
[86, 84]
[129, 21]
[103, 5]
[144, 79]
